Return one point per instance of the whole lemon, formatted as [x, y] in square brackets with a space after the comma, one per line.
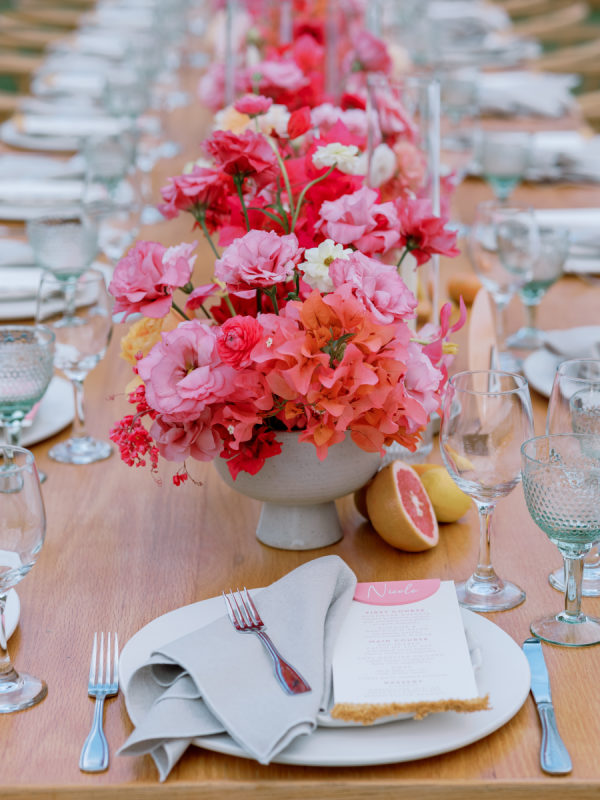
[448, 501]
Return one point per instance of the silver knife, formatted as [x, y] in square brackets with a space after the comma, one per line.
[554, 757]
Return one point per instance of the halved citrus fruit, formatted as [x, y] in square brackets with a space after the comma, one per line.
[360, 500]
[400, 510]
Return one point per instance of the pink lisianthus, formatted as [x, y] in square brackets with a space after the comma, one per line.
[422, 233]
[242, 155]
[377, 285]
[184, 374]
[194, 438]
[144, 279]
[258, 260]
[253, 104]
[371, 53]
[201, 191]
[358, 219]
[238, 337]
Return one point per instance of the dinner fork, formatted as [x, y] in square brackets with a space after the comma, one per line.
[101, 684]
[245, 618]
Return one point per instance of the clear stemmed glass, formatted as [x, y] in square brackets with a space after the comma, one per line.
[22, 530]
[486, 235]
[26, 367]
[486, 417]
[81, 342]
[561, 481]
[574, 407]
[504, 158]
[547, 269]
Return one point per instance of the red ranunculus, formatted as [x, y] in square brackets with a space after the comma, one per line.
[238, 337]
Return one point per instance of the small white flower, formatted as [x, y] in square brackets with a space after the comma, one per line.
[318, 259]
[269, 342]
[383, 165]
[342, 156]
[276, 119]
[230, 429]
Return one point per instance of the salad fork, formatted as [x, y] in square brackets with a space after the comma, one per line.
[102, 683]
[245, 618]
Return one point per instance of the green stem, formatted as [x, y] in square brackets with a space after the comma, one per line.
[272, 293]
[201, 218]
[284, 175]
[402, 257]
[259, 301]
[230, 305]
[305, 190]
[239, 180]
[275, 217]
[178, 310]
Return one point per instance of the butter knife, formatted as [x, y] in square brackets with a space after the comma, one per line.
[554, 757]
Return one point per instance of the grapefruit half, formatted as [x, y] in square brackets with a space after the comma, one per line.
[400, 509]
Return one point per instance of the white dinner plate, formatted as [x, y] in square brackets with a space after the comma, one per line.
[12, 613]
[503, 674]
[28, 165]
[55, 412]
[11, 135]
[539, 368]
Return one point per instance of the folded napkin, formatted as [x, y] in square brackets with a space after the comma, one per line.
[19, 283]
[216, 679]
[530, 93]
[45, 192]
[47, 125]
[584, 227]
[23, 165]
[15, 251]
[583, 342]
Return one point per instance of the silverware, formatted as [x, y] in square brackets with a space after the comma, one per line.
[102, 683]
[245, 618]
[554, 757]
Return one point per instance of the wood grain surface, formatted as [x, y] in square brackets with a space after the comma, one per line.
[121, 550]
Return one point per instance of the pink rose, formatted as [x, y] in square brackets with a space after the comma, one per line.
[245, 154]
[177, 441]
[238, 337]
[280, 75]
[184, 374]
[253, 104]
[360, 220]
[259, 259]
[379, 287]
[145, 278]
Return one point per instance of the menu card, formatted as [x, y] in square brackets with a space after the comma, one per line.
[402, 648]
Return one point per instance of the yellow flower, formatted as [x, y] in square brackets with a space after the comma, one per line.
[144, 334]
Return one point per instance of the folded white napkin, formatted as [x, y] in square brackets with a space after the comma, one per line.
[19, 283]
[581, 342]
[216, 679]
[23, 165]
[61, 125]
[584, 227]
[15, 252]
[520, 92]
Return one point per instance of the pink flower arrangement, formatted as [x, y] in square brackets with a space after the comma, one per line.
[306, 325]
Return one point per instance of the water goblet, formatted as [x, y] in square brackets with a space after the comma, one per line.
[504, 157]
[561, 482]
[81, 342]
[26, 367]
[574, 407]
[22, 530]
[65, 243]
[486, 416]
[547, 268]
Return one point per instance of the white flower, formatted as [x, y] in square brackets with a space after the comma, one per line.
[343, 156]
[276, 119]
[383, 165]
[318, 259]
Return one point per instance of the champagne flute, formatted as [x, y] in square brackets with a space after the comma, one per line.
[486, 416]
[547, 268]
[561, 482]
[574, 407]
[81, 342]
[22, 530]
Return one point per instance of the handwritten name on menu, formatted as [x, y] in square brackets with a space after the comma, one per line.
[403, 642]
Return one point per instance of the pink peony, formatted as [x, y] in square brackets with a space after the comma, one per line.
[177, 441]
[145, 278]
[246, 154]
[238, 337]
[184, 374]
[422, 233]
[259, 259]
[253, 104]
[360, 220]
[377, 285]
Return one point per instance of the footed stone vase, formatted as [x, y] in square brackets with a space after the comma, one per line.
[298, 491]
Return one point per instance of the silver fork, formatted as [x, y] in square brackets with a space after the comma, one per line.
[102, 684]
[245, 618]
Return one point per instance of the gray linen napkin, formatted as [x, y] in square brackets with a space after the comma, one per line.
[216, 679]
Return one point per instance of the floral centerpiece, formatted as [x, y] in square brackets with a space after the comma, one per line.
[304, 328]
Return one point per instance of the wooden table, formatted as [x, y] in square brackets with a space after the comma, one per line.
[121, 550]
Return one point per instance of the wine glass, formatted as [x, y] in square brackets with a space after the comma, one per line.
[65, 243]
[561, 481]
[547, 268]
[504, 156]
[487, 235]
[22, 530]
[81, 342]
[574, 407]
[26, 367]
[486, 417]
